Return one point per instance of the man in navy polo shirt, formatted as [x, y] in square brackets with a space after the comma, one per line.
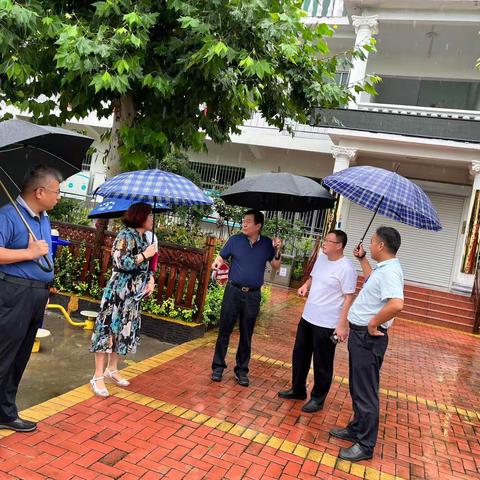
[248, 253]
[24, 286]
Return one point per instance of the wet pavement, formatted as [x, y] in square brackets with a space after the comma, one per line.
[174, 422]
[65, 363]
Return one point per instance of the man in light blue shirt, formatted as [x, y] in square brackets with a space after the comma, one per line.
[370, 316]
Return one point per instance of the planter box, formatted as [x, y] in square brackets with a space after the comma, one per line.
[295, 284]
[165, 329]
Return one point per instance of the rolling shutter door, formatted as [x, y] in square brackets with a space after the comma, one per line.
[426, 257]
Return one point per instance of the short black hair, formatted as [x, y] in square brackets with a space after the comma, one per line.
[390, 237]
[341, 236]
[37, 176]
[258, 216]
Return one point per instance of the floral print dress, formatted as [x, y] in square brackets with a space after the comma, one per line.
[118, 323]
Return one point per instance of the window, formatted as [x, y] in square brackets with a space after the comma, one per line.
[87, 162]
[217, 177]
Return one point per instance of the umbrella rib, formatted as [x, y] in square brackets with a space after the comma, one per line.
[12, 149]
[10, 178]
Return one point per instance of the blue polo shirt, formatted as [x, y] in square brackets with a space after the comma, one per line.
[247, 261]
[384, 282]
[14, 235]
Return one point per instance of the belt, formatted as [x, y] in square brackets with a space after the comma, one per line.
[26, 282]
[134, 272]
[364, 328]
[244, 289]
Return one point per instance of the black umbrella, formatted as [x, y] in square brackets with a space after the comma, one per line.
[24, 145]
[282, 192]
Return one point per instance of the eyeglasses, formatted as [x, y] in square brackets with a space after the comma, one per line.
[326, 240]
[56, 192]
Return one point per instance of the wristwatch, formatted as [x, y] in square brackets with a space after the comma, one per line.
[278, 256]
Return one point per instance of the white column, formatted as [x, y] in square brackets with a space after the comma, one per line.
[365, 28]
[343, 158]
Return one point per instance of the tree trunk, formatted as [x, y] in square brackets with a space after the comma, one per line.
[124, 113]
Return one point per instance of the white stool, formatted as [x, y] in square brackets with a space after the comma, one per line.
[41, 333]
[90, 317]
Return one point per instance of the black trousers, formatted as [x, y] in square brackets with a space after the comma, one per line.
[21, 313]
[365, 359]
[243, 306]
[313, 340]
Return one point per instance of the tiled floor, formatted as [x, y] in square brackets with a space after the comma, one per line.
[174, 422]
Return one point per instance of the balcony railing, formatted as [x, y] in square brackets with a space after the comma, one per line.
[324, 8]
[421, 111]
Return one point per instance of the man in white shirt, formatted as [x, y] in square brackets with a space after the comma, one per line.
[324, 321]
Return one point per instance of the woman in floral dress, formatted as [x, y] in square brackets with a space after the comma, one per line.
[118, 323]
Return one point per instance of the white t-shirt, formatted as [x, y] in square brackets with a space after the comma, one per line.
[331, 280]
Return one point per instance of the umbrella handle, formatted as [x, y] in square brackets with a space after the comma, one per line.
[47, 260]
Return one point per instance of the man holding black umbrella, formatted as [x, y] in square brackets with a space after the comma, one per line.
[248, 253]
[24, 284]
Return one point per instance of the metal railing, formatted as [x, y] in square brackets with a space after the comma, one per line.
[421, 111]
[324, 8]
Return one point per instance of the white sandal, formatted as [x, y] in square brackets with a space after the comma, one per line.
[100, 392]
[109, 376]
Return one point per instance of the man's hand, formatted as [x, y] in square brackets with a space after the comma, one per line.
[359, 251]
[374, 331]
[277, 243]
[303, 290]
[36, 248]
[342, 333]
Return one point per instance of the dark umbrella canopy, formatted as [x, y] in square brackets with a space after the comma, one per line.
[24, 145]
[283, 192]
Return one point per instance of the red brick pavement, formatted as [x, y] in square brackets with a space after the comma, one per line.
[430, 416]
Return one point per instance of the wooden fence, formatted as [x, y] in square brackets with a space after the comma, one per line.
[183, 272]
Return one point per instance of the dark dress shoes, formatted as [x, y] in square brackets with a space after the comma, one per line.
[242, 380]
[343, 433]
[292, 395]
[217, 375]
[355, 453]
[312, 406]
[18, 425]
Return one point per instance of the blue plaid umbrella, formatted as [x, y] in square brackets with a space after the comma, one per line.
[386, 193]
[115, 207]
[154, 186]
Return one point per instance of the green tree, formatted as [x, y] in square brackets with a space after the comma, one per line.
[172, 72]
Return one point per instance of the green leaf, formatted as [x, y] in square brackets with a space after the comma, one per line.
[122, 66]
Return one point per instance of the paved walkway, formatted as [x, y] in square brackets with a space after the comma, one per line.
[174, 423]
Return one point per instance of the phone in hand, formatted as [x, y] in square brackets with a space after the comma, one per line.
[334, 338]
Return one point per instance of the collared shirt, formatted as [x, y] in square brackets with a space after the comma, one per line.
[14, 235]
[385, 282]
[248, 260]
